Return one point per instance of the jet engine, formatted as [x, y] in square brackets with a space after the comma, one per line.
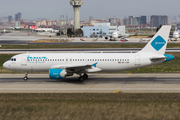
[57, 73]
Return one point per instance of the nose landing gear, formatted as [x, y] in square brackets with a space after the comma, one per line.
[26, 76]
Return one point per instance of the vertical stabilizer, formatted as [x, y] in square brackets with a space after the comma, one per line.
[117, 26]
[159, 42]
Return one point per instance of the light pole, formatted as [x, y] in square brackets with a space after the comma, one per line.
[152, 25]
[60, 27]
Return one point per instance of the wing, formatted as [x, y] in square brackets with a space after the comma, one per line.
[78, 68]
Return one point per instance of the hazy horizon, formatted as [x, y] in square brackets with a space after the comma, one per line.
[99, 9]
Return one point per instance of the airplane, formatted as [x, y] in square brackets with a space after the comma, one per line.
[62, 65]
[176, 33]
[33, 27]
[116, 35]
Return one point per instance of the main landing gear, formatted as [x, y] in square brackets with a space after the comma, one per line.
[82, 78]
[26, 76]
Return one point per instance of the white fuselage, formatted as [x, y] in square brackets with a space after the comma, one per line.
[115, 35]
[176, 34]
[105, 61]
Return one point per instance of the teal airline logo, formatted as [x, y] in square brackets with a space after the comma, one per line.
[36, 58]
[158, 43]
[94, 65]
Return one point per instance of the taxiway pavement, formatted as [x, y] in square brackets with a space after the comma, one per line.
[97, 83]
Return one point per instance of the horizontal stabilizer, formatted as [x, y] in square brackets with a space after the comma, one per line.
[157, 58]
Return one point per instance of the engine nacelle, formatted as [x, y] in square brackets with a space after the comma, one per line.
[57, 73]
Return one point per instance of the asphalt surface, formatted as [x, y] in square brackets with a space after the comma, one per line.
[97, 83]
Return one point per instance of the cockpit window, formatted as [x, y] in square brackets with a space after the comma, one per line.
[13, 59]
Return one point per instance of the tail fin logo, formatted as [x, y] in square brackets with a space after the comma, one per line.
[158, 43]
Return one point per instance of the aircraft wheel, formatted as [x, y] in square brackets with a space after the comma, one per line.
[25, 78]
[85, 76]
[81, 79]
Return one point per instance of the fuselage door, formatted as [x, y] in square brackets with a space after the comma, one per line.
[24, 60]
[137, 60]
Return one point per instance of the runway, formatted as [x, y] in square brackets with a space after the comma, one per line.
[97, 83]
[70, 50]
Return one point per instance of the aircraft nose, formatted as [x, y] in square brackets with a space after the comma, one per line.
[5, 65]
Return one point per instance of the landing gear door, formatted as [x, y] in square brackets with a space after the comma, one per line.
[137, 60]
[24, 60]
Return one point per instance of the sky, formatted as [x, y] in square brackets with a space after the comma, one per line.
[100, 9]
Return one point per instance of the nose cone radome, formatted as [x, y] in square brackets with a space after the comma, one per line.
[168, 57]
[115, 35]
[5, 65]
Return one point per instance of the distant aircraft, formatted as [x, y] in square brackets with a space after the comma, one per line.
[33, 27]
[44, 31]
[4, 30]
[62, 65]
[176, 33]
[17, 28]
[116, 35]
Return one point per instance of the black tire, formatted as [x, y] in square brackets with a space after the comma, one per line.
[25, 78]
[81, 79]
[85, 76]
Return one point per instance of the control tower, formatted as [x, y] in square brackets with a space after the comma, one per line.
[76, 5]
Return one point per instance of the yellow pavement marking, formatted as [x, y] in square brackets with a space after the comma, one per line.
[116, 91]
[129, 73]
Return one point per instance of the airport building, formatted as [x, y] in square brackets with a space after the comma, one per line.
[157, 20]
[102, 28]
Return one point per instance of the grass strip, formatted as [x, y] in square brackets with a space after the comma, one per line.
[90, 106]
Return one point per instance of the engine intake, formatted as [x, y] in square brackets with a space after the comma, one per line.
[57, 73]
